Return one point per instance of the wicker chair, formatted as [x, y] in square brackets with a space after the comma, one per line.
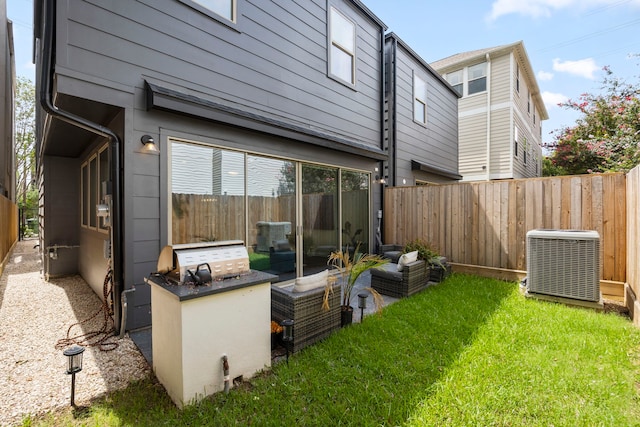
[388, 280]
[311, 324]
[391, 251]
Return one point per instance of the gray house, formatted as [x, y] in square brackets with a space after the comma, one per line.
[198, 121]
[7, 81]
[422, 130]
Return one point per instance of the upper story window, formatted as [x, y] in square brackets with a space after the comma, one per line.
[469, 80]
[515, 141]
[342, 56]
[224, 8]
[517, 78]
[534, 114]
[529, 102]
[477, 78]
[419, 100]
[455, 79]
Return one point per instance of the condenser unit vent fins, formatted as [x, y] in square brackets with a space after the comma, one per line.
[564, 263]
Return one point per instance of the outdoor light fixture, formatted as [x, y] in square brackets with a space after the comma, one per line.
[149, 144]
[362, 304]
[74, 355]
[287, 334]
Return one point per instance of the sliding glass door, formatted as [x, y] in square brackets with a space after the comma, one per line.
[320, 218]
[271, 202]
[290, 214]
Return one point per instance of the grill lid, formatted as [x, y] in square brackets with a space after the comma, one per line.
[225, 258]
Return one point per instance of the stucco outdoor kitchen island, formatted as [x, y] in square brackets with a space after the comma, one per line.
[193, 327]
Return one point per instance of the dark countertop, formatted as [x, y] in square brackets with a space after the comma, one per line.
[187, 292]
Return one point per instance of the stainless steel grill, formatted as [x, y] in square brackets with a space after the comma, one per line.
[224, 259]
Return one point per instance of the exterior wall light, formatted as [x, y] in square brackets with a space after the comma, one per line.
[74, 365]
[149, 144]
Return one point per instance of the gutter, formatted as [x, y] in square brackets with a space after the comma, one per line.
[47, 73]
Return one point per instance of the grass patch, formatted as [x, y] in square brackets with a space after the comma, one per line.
[469, 351]
[259, 261]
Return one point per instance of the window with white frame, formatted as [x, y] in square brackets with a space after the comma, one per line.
[477, 78]
[469, 80]
[342, 52]
[515, 141]
[419, 100]
[103, 177]
[525, 147]
[455, 79]
[93, 172]
[534, 114]
[517, 78]
[224, 8]
[529, 102]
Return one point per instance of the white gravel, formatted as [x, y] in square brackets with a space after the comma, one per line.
[34, 316]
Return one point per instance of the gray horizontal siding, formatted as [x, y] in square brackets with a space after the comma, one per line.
[435, 144]
[275, 65]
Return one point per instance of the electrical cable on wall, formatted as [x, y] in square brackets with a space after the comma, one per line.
[98, 338]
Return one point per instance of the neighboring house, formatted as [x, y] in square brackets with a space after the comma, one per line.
[422, 132]
[7, 82]
[500, 112]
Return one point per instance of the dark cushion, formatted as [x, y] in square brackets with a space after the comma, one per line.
[387, 271]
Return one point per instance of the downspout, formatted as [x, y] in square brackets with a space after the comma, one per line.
[488, 59]
[393, 134]
[45, 97]
[383, 118]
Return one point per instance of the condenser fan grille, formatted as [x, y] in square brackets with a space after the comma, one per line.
[564, 263]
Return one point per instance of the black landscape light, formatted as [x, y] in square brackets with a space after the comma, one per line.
[362, 304]
[74, 355]
[287, 334]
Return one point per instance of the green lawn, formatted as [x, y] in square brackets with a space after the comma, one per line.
[468, 352]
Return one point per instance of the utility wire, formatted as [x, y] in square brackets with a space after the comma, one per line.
[590, 35]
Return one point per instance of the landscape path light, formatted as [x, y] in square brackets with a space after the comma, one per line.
[74, 365]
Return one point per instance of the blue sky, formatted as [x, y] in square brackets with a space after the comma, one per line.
[568, 41]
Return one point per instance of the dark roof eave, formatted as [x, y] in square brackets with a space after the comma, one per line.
[415, 165]
[161, 98]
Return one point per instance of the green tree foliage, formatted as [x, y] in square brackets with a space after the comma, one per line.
[605, 138]
[25, 120]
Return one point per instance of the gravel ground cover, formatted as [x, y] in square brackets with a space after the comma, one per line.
[34, 316]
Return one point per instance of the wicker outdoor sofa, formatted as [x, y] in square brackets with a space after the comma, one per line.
[388, 280]
[311, 323]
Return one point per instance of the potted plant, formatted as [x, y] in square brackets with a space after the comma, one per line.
[438, 266]
[350, 268]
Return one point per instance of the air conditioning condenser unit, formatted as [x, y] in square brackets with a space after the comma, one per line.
[564, 263]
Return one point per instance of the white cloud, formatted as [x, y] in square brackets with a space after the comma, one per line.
[583, 67]
[544, 76]
[552, 100]
[544, 8]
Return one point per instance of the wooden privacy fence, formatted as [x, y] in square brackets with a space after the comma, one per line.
[485, 223]
[8, 228]
[633, 233]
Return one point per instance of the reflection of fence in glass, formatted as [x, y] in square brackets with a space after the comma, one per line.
[200, 218]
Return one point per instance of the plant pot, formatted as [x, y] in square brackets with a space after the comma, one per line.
[346, 316]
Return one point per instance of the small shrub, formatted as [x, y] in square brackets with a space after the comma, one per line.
[425, 250]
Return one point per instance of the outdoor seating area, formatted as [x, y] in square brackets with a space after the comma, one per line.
[398, 282]
[311, 322]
